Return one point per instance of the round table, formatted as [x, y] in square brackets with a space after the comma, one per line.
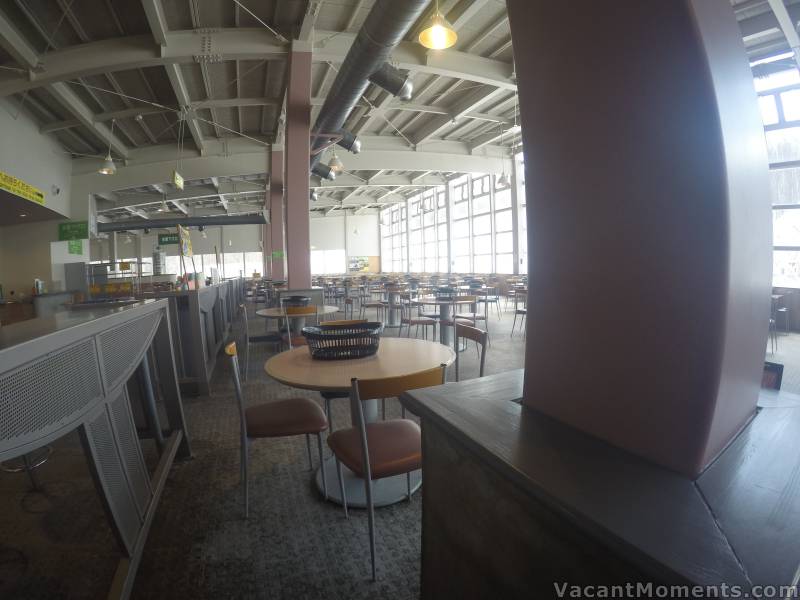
[299, 321]
[395, 357]
[445, 313]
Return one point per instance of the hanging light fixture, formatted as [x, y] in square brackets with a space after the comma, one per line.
[108, 167]
[503, 180]
[438, 33]
[335, 164]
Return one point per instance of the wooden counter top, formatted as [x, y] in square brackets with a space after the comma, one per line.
[737, 523]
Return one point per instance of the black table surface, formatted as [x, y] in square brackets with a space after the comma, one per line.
[738, 523]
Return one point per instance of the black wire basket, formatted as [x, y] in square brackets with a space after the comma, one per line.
[337, 342]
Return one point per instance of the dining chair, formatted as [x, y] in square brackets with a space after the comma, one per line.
[473, 316]
[408, 321]
[383, 448]
[520, 298]
[289, 311]
[479, 336]
[281, 418]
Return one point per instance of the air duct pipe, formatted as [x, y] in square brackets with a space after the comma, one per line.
[255, 219]
[394, 81]
[383, 29]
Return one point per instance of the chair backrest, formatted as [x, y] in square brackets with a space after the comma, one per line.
[389, 387]
[231, 351]
[476, 335]
[773, 376]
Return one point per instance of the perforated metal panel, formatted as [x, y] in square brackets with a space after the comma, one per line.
[130, 450]
[112, 478]
[44, 395]
[121, 348]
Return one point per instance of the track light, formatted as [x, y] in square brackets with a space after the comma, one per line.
[349, 142]
[438, 33]
[313, 196]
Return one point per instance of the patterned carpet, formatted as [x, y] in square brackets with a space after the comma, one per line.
[294, 545]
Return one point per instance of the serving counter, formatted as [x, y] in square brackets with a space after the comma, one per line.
[201, 320]
[96, 371]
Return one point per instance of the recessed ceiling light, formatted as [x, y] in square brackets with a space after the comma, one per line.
[22, 215]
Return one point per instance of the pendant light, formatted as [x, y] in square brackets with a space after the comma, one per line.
[108, 167]
[438, 33]
[335, 164]
[503, 180]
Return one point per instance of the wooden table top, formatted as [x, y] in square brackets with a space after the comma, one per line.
[277, 313]
[395, 357]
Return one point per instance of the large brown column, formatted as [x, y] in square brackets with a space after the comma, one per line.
[298, 125]
[276, 246]
[649, 229]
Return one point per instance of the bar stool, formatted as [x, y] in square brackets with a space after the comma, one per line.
[28, 463]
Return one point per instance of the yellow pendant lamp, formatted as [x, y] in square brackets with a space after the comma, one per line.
[438, 33]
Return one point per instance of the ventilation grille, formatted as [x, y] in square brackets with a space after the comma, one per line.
[121, 347]
[130, 450]
[113, 479]
[46, 394]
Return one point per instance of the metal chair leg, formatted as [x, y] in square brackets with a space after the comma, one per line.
[408, 485]
[322, 466]
[341, 487]
[308, 448]
[383, 408]
[245, 452]
[371, 515]
[328, 414]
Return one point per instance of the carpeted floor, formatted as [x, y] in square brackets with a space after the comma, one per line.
[294, 545]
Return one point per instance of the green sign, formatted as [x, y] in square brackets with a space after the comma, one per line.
[165, 239]
[73, 230]
[277, 254]
[75, 246]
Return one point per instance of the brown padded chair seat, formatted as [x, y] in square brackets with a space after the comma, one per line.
[292, 416]
[395, 447]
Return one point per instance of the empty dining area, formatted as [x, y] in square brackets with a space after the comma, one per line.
[360, 299]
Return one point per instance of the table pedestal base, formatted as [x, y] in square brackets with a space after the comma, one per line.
[389, 490]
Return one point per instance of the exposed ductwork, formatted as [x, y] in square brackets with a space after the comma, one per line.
[394, 81]
[383, 29]
[254, 219]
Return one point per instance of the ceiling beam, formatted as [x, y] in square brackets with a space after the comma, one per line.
[189, 46]
[136, 211]
[14, 43]
[309, 20]
[491, 136]
[462, 12]
[180, 206]
[788, 27]
[464, 105]
[154, 12]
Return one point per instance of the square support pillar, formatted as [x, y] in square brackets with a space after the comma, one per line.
[275, 248]
[649, 223]
[298, 148]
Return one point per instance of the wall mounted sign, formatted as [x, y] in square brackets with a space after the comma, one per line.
[277, 254]
[73, 230]
[75, 246]
[19, 188]
[166, 239]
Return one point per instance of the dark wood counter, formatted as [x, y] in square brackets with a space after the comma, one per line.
[564, 506]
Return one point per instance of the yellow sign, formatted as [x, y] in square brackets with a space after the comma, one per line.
[19, 188]
[177, 180]
[186, 241]
[124, 266]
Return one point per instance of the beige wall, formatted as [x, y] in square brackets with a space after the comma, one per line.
[25, 255]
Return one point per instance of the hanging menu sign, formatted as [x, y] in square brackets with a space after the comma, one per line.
[73, 230]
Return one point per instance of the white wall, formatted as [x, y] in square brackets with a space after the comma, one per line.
[327, 233]
[363, 235]
[34, 158]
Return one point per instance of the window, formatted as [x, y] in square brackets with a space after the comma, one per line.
[234, 264]
[253, 263]
[769, 110]
[327, 262]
